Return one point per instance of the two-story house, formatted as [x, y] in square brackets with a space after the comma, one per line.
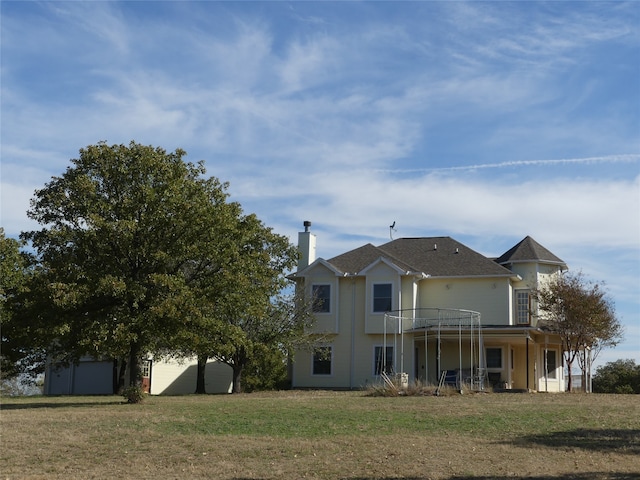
[429, 308]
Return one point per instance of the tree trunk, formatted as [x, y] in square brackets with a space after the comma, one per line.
[134, 366]
[237, 377]
[114, 379]
[202, 365]
[122, 375]
[569, 376]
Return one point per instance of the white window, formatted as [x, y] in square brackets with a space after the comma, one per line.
[382, 363]
[523, 307]
[146, 368]
[494, 358]
[321, 298]
[322, 360]
[551, 363]
[382, 296]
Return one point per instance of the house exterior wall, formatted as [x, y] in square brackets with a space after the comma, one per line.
[174, 377]
[171, 377]
[88, 377]
[325, 322]
[488, 296]
[533, 276]
[382, 274]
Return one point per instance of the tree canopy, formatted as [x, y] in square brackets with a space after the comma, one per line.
[140, 253]
[620, 376]
[580, 312]
[15, 275]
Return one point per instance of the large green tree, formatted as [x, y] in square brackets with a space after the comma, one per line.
[129, 234]
[15, 274]
[580, 312]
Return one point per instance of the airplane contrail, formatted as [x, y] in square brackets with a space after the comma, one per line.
[624, 158]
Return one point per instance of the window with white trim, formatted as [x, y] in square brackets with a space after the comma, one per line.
[382, 297]
[321, 297]
[551, 363]
[523, 307]
[322, 360]
[383, 363]
[145, 370]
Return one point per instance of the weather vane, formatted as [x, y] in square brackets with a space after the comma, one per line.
[392, 229]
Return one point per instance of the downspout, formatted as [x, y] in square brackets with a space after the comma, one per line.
[353, 331]
[460, 355]
[400, 327]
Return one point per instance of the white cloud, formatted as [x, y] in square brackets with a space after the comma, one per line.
[477, 120]
[15, 203]
[562, 211]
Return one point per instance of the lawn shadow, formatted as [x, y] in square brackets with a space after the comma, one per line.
[626, 441]
[566, 476]
[34, 405]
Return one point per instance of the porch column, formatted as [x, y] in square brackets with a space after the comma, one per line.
[527, 357]
[426, 358]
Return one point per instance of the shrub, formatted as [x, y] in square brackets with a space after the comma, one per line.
[417, 388]
[621, 376]
[133, 394]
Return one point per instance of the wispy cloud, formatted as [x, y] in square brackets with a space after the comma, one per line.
[484, 121]
[624, 158]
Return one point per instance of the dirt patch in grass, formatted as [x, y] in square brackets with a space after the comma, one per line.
[322, 435]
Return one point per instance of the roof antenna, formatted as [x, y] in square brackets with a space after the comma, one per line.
[392, 229]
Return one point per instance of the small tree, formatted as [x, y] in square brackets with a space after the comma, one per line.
[581, 313]
[266, 370]
[620, 376]
[277, 331]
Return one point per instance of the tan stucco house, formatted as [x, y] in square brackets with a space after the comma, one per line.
[429, 309]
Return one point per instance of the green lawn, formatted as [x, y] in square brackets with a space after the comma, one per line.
[329, 435]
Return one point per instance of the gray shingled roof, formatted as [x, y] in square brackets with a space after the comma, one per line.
[357, 260]
[528, 250]
[435, 256]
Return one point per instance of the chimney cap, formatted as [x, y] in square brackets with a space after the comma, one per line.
[306, 224]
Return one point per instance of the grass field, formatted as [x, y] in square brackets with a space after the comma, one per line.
[322, 435]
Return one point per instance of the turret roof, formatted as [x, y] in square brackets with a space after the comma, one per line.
[528, 250]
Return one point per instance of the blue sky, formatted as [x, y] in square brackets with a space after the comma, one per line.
[485, 121]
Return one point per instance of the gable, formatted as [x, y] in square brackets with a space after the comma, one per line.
[357, 261]
[318, 267]
[382, 266]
